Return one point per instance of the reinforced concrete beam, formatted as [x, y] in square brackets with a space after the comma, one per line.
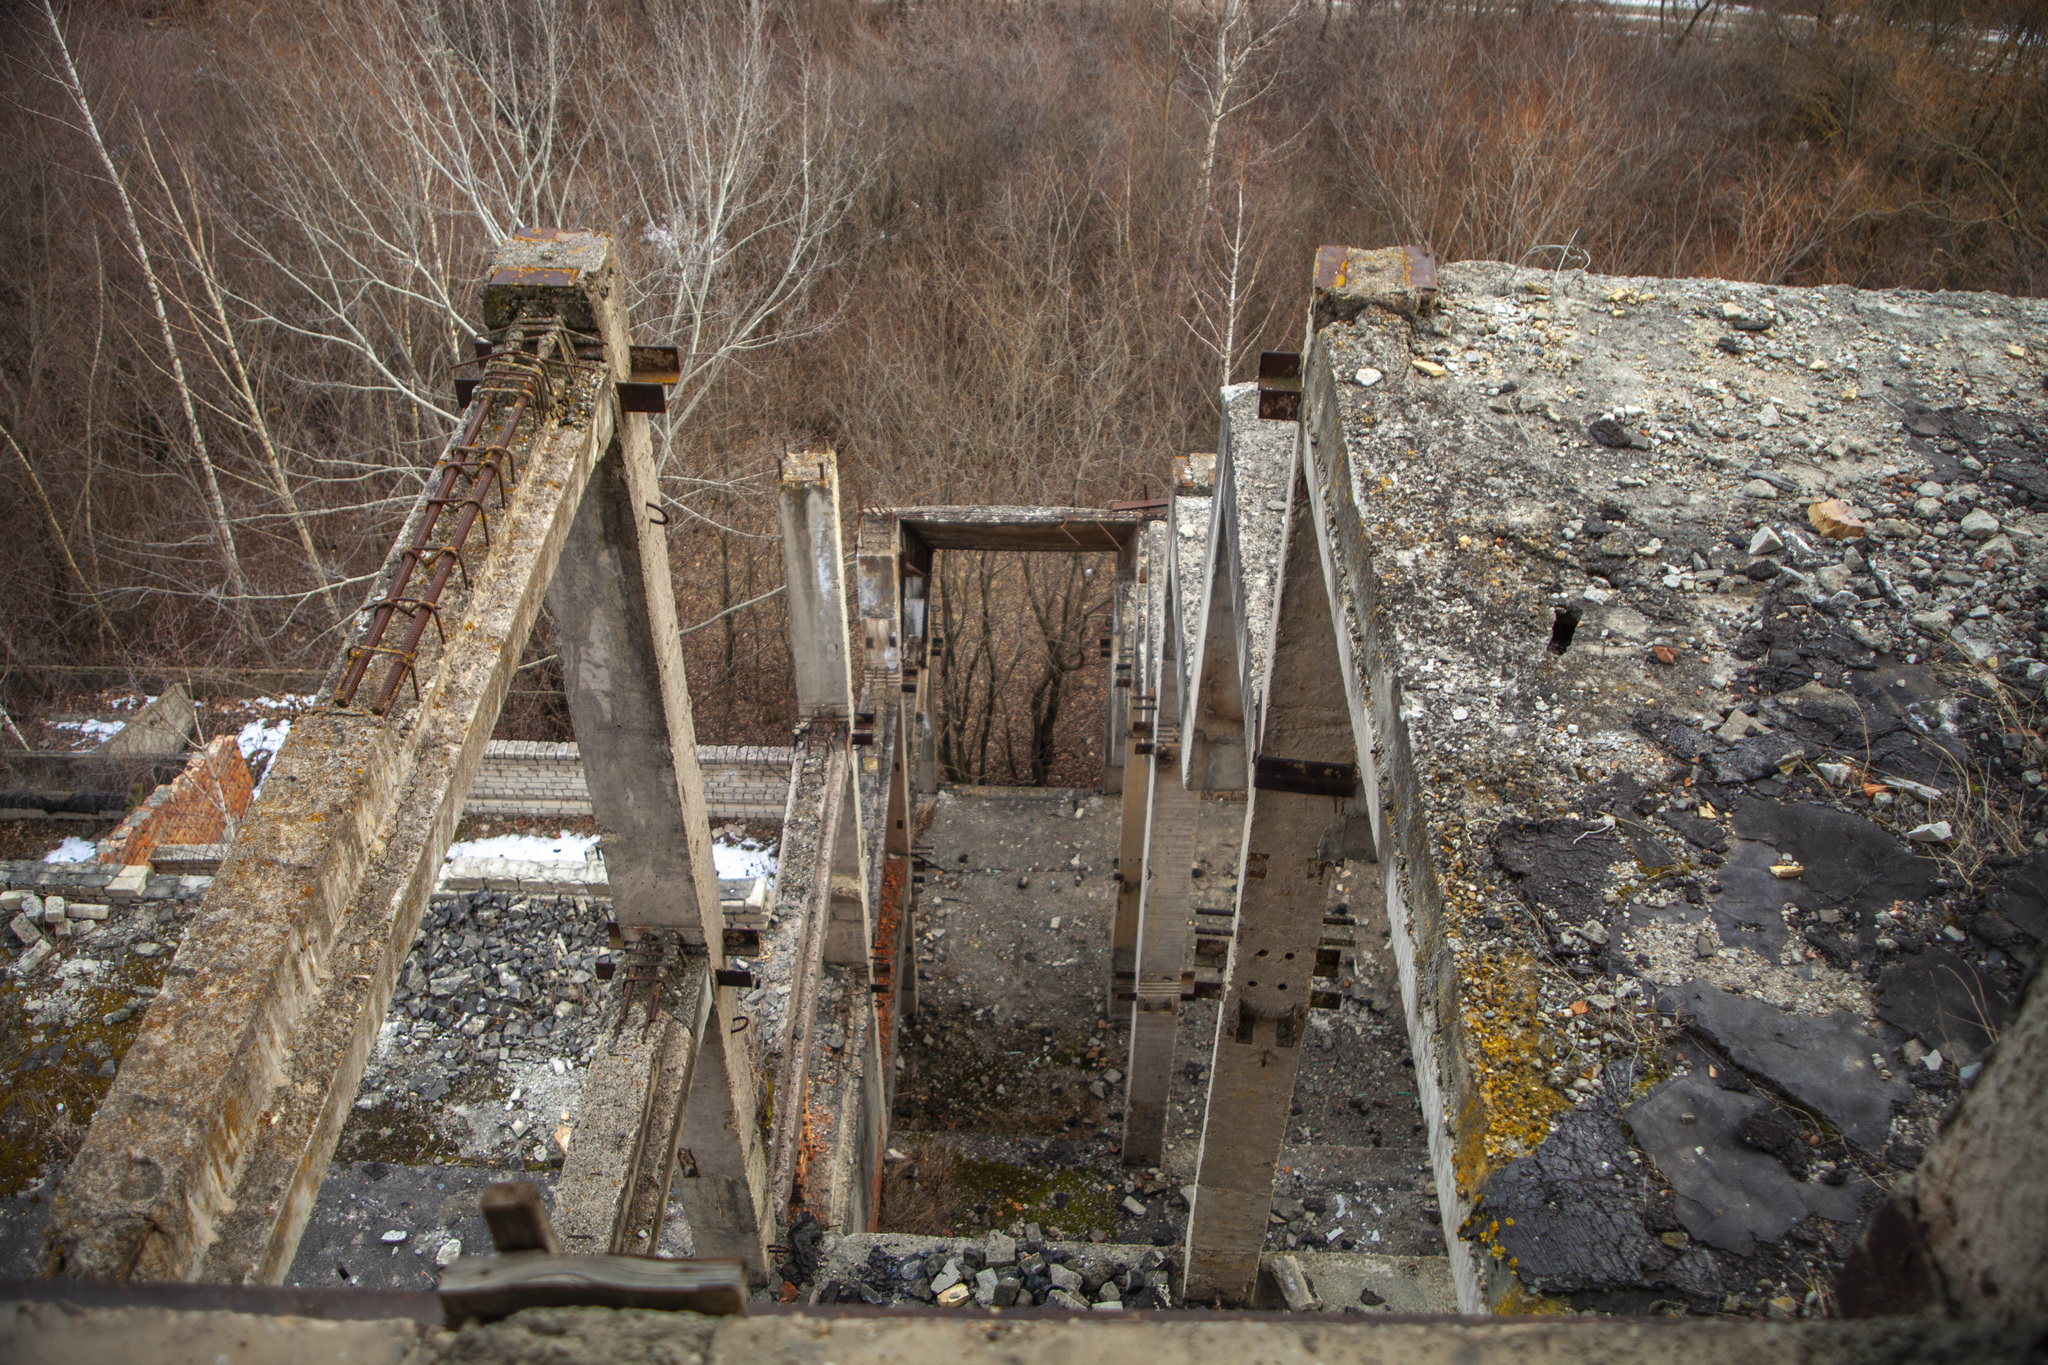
[1171, 809]
[808, 500]
[219, 1126]
[1304, 804]
[803, 891]
[612, 1196]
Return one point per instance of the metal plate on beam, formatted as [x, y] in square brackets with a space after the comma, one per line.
[657, 364]
[642, 398]
[1305, 776]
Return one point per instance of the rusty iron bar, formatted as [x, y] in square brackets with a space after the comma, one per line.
[484, 466]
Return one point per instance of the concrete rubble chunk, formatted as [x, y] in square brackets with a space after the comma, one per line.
[1294, 1286]
[1730, 1195]
[1821, 1063]
[1350, 280]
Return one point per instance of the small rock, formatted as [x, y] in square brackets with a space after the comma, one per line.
[1932, 622]
[147, 949]
[1833, 519]
[1934, 832]
[1593, 931]
[1767, 416]
[394, 1237]
[1927, 509]
[1836, 773]
[1765, 542]
[1707, 943]
[1133, 1207]
[1368, 377]
[1757, 488]
[953, 1296]
[1428, 367]
[450, 1250]
[1664, 654]
[1980, 525]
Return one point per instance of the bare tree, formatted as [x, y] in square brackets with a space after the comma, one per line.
[216, 505]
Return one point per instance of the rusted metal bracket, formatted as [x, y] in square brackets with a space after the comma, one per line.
[1280, 386]
[1305, 776]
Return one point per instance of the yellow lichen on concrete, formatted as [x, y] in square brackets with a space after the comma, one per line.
[1507, 1052]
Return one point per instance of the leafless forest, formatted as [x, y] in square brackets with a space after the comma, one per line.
[991, 252]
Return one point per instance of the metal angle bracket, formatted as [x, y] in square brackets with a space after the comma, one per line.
[1304, 776]
[1280, 386]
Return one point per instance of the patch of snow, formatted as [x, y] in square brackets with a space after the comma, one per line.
[262, 737]
[531, 848]
[91, 731]
[72, 850]
[745, 859]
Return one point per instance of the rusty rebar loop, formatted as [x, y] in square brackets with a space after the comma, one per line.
[403, 666]
[531, 390]
[409, 605]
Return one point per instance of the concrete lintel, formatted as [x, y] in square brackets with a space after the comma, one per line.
[1283, 888]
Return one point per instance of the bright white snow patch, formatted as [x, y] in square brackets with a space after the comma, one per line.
[747, 859]
[91, 731]
[72, 850]
[263, 737]
[528, 848]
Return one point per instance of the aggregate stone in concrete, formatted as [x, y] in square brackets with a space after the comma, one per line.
[1947, 1003]
[1729, 1195]
[1822, 1063]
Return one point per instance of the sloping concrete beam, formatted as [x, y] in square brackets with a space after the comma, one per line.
[228, 1104]
[809, 505]
[1304, 799]
[1171, 812]
[612, 1196]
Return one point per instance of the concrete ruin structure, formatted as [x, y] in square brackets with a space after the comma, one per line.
[1642, 679]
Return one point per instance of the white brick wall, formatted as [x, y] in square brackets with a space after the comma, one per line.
[526, 777]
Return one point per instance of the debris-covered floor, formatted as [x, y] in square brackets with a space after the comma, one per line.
[1009, 1106]
[1720, 614]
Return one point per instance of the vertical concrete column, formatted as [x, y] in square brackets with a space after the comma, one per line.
[1299, 816]
[613, 602]
[1162, 921]
[1123, 655]
[1133, 616]
[821, 650]
[605, 636]
[809, 503]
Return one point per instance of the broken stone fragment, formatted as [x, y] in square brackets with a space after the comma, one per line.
[1428, 367]
[1730, 1195]
[1368, 377]
[1822, 1063]
[1765, 542]
[1933, 832]
[1979, 525]
[1833, 518]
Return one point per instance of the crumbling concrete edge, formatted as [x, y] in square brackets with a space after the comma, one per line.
[1393, 791]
